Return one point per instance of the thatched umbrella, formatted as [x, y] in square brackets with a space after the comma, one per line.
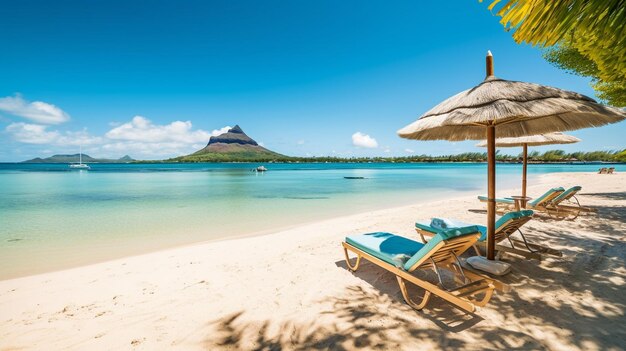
[513, 108]
[532, 140]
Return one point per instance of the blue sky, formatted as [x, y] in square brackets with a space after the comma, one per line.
[157, 79]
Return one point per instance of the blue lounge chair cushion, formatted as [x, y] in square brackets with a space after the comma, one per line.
[506, 201]
[452, 223]
[540, 199]
[566, 193]
[400, 251]
[391, 248]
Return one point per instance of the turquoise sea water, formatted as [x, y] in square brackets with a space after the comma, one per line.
[52, 217]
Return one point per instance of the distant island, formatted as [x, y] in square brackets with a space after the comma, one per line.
[232, 146]
[75, 157]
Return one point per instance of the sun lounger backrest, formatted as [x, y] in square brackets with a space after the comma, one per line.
[511, 222]
[441, 247]
[547, 197]
[566, 195]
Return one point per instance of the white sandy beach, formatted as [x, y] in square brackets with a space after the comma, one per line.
[291, 290]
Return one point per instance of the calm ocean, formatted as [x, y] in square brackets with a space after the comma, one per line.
[52, 217]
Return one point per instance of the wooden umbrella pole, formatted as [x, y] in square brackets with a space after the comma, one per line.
[524, 167]
[491, 191]
[489, 64]
[491, 176]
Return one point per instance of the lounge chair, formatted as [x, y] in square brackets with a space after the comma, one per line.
[401, 256]
[506, 226]
[567, 205]
[603, 170]
[538, 204]
[610, 170]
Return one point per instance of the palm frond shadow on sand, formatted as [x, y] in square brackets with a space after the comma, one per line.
[373, 315]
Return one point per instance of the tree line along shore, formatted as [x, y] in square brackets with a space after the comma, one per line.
[550, 156]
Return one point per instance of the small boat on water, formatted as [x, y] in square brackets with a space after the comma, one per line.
[261, 169]
[80, 165]
[354, 177]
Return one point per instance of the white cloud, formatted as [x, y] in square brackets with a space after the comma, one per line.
[141, 149]
[409, 151]
[363, 140]
[220, 131]
[387, 150]
[141, 129]
[79, 138]
[32, 133]
[37, 111]
[39, 134]
[300, 142]
[139, 138]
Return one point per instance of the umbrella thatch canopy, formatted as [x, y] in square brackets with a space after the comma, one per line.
[532, 140]
[512, 108]
[516, 108]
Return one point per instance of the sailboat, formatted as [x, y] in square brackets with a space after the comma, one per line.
[80, 164]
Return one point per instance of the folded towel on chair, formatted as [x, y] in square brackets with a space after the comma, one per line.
[438, 223]
[447, 223]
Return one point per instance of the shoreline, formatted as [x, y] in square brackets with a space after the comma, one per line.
[453, 195]
[39, 258]
[291, 289]
[261, 233]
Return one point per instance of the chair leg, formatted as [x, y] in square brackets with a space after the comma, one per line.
[578, 210]
[542, 249]
[405, 294]
[523, 238]
[582, 208]
[477, 250]
[356, 265]
[482, 302]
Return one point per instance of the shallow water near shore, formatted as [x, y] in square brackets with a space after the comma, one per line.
[54, 218]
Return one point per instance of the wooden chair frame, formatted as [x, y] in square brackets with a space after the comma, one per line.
[570, 210]
[556, 211]
[529, 250]
[503, 207]
[443, 256]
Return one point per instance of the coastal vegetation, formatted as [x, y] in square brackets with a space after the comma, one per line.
[550, 156]
[585, 38]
